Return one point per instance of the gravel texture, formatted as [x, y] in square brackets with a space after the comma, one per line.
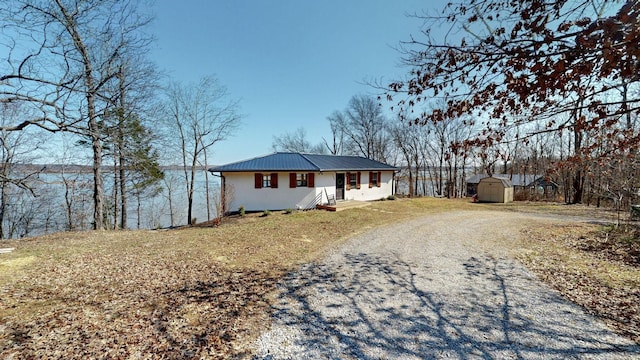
[435, 287]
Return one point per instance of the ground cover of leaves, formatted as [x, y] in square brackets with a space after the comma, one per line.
[200, 292]
[594, 266]
[105, 304]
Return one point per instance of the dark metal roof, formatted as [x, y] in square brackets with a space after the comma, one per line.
[304, 162]
[344, 163]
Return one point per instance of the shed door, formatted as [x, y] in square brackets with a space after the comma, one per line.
[339, 186]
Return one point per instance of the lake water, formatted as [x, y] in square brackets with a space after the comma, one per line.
[47, 212]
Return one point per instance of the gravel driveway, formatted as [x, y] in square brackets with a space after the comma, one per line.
[434, 287]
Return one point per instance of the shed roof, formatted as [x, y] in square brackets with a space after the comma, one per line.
[516, 179]
[505, 182]
[282, 161]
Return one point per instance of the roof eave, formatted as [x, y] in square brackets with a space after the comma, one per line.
[299, 170]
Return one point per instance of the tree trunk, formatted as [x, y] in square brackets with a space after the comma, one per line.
[170, 199]
[578, 187]
[416, 177]
[121, 151]
[3, 206]
[139, 209]
[116, 189]
[455, 176]
[94, 129]
[463, 186]
[98, 188]
[441, 167]
[68, 201]
[206, 186]
[577, 184]
[123, 194]
[191, 189]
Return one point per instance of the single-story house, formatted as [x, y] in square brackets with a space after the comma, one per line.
[533, 184]
[495, 189]
[301, 181]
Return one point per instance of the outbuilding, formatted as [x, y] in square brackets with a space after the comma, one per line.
[495, 190]
[525, 186]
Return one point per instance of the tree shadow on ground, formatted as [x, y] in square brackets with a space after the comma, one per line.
[371, 307]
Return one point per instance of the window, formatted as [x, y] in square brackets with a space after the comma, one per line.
[266, 181]
[301, 179]
[353, 180]
[374, 179]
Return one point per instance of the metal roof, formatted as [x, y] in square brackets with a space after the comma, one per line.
[304, 162]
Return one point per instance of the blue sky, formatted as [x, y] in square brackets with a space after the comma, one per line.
[291, 63]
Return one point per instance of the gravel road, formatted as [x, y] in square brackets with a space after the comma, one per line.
[435, 287]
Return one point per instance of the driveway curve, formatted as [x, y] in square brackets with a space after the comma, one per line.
[430, 288]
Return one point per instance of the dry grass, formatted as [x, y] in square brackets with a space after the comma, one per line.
[194, 292]
[592, 267]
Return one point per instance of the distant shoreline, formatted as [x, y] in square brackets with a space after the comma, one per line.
[75, 168]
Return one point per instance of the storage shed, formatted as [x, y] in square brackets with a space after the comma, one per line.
[496, 190]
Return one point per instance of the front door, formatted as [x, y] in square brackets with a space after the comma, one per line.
[339, 186]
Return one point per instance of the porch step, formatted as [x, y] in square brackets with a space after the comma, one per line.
[343, 205]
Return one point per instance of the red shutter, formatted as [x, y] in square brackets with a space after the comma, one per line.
[370, 179]
[274, 180]
[258, 180]
[358, 180]
[311, 181]
[379, 178]
[292, 180]
[348, 182]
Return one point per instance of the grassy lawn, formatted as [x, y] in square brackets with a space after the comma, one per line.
[205, 292]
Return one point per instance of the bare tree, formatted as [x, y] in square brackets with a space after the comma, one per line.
[202, 116]
[73, 50]
[296, 142]
[16, 153]
[336, 144]
[128, 137]
[365, 128]
[409, 139]
[509, 63]
[222, 200]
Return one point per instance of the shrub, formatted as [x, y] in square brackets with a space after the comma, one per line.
[266, 213]
[391, 197]
[288, 211]
[241, 211]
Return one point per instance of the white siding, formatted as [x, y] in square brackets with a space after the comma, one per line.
[245, 194]
[242, 192]
[375, 193]
[325, 184]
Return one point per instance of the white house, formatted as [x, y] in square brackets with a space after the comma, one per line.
[302, 181]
